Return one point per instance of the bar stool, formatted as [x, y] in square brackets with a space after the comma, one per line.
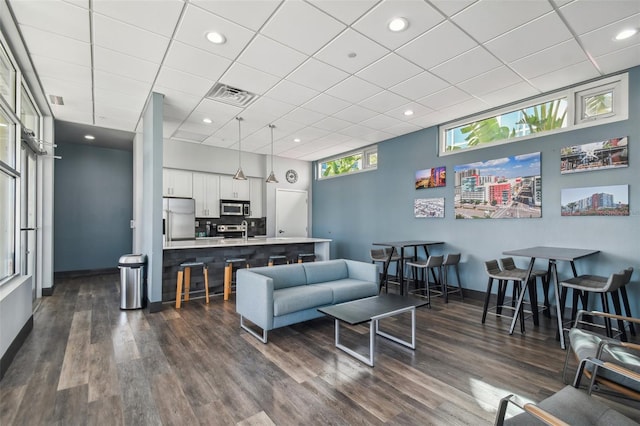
[382, 255]
[433, 263]
[495, 273]
[452, 260]
[306, 257]
[509, 265]
[228, 274]
[277, 260]
[184, 274]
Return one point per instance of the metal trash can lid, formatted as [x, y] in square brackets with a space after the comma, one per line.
[132, 260]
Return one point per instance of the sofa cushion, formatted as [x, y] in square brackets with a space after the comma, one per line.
[349, 289]
[330, 270]
[298, 298]
[283, 276]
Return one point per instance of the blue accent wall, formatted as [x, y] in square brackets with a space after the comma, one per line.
[354, 211]
[93, 193]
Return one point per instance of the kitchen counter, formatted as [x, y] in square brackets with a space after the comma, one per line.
[213, 242]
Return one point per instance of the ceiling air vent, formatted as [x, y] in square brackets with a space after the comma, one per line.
[231, 95]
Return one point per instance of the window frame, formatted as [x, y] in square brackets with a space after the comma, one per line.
[367, 165]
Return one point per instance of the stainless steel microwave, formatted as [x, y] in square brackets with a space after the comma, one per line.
[235, 208]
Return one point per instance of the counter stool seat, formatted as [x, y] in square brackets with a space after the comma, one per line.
[433, 263]
[306, 257]
[509, 265]
[228, 273]
[277, 259]
[184, 276]
[451, 261]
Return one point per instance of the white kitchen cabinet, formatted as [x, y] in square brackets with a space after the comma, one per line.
[177, 183]
[206, 192]
[232, 189]
[256, 185]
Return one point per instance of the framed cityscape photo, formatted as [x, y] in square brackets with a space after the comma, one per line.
[611, 200]
[505, 188]
[608, 154]
[431, 178]
[428, 207]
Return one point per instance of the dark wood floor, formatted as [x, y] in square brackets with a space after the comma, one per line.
[87, 362]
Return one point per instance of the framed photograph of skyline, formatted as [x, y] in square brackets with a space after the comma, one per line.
[602, 155]
[611, 200]
[428, 207]
[431, 178]
[505, 188]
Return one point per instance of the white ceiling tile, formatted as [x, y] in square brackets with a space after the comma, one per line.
[284, 128]
[124, 65]
[332, 124]
[196, 128]
[354, 89]
[510, 94]
[180, 101]
[247, 78]
[270, 106]
[549, 60]
[119, 84]
[602, 41]
[127, 39]
[121, 101]
[445, 98]
[77, 113]
[302, 27]
[429, 49]
[356, 131]
[380, 122]
[419, 86]
[418, 110]
[169, 126]
[196, 23]
[351, 42]
[587, 15]
[345, 11]
[70, 20]
[429, 120]
[421, 17]
[219, 112]
[304, 116]
[61, 70]
[291, 93]
[451, 7]
[383, 101]
[58, 47]
[355, 114]
[469, 107]
[326, 104]
[532, 37]
[619, 60]
[317, 75]
[196, 61]
[389, 71]
[165, 13]
[497, 78]
[377, 136]
[309, 134]
[270, 56]
[248, 13]
[487, 19]
[565, 76]
[183, 82]
[71, 91]
[402, 128]
[458, 69]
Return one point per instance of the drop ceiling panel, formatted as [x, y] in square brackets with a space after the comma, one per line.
[356, 131]
[345, 11]
[196, 23]
[449, 7]
[302, 27]
[196, 61]
[487, 19]
[317, 75]
[125, 102]
[326, 104]
[355, 114]
[510, 94]
[332, 124]
[181, 101]
[419, 86]
[389, 71]
[271, 57]
[340, 52]
[380, 122]
[563, 77]
[620, 59]
[444, 98]
[304, 116]
[124, 65]
[71, 91]
[165, 13]
[61, 70]
[247, 78]
[377, 136]
[119, 84]
[183, 82]
[80, 112]
[584, 16]
[549, 60]
[471, 106]
[602, 41]
[219, 112]
[537, 35]
[51, 45]
[383, 101]
[402, 128]
[285, 128]
[437, 45]
[238, 11]
[458, 69]
[60, 18]
[292, 93]
[421, 17]
[264, 105]
[354, 89]
[493, 80]
[418, 110]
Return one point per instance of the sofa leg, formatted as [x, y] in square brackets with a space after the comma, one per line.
[262, 338]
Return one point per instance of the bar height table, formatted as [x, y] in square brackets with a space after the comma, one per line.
[402, 245]
[553, 254]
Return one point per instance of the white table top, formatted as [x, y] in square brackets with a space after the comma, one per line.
[239, 242]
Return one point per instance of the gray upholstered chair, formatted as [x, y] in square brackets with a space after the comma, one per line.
[503, 277]
[433, 263]
[382, 256]
[451, 261]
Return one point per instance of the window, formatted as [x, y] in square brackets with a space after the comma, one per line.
[595, 103]
[8, 175]
[353, 162]
[7, 79]
[28, 113]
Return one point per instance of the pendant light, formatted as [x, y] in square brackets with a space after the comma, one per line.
[239, 174]
[272, 177]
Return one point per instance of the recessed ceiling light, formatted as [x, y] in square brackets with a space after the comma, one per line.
[89, 137]
[625, 34]
[398, 24]
[207, 120]
[216, 38]
[352, 55]
[408, 112]
[296, 140]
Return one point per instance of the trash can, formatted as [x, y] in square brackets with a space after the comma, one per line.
[132, 274]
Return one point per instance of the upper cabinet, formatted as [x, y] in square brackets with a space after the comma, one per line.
[232, 189]
[256, 185]
[177, 183]
[206, 191]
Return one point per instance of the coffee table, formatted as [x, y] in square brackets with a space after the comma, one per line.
[373, 309]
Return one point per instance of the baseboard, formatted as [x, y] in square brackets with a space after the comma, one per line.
[84, 273]
[15, 346]
[154, 306]
[49, 290]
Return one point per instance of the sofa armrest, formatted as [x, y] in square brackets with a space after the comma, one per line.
[362, 271]
[254, 298]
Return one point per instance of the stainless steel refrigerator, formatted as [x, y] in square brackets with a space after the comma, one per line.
[178, 219]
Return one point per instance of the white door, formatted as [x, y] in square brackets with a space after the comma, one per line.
[291, 213]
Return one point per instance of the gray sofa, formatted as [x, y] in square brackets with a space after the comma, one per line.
[277, 296]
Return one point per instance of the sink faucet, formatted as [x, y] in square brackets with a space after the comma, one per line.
[245, 227]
